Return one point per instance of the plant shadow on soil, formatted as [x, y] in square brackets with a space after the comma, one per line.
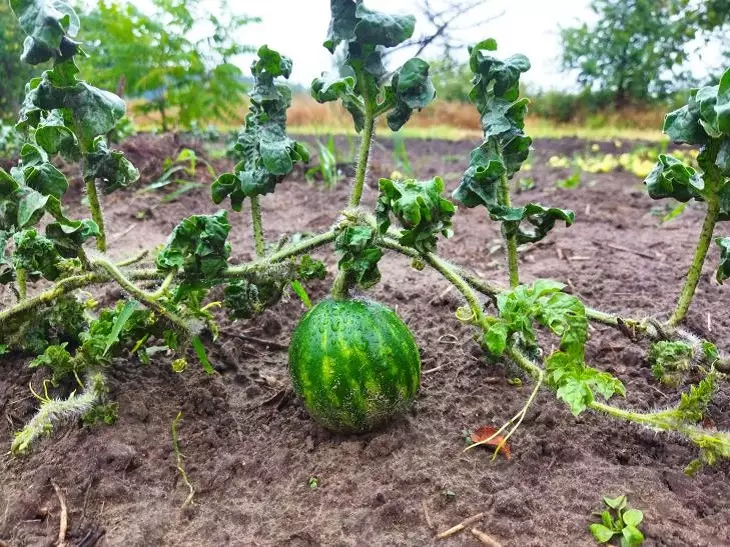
[250, 448]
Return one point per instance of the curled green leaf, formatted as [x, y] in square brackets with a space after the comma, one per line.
[197, 246]
[420, 210]
[69, 237]
[672, 178]
[723, 270]
[412, 89]
[36, 254]
[268, 153]
[109, 166]
[48, 24]
[359, 256]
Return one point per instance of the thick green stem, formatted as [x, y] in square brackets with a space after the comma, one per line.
[695, 270]
[363, 157]
[21, 277]
[513, 263]
[96, 213]
[258, 226]
[341, 286]
[147, 299]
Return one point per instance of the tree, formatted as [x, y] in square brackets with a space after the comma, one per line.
[444, 24]
[13, 73]
[638, 49]
[154, 57]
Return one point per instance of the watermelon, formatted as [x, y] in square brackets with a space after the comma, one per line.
[354, 364]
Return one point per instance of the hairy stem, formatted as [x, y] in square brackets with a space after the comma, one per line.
[137, 293]
[363, 157]
[695, 270]
[97, 214]
[69, 284]
[53, 411]
[513, 263]
[21, 276]
[258, 226]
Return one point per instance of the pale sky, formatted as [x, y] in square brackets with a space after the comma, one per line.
[297, 28]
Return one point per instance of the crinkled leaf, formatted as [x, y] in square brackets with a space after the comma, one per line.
[420, 210]
[7, 270]
[693, 403]
[412, 89]
[540, 220]
[93, 111]
[36, 254]
[197, 246]
[722, 105]
[110, 166]
[723, 271]
[48, 25]
[480, 183]
[683, 125]
[30, 206]
[55, 137]
[69, 237]
[309, 269]
[330, 88]
[268, 153]
[359, 256]
[672, 178]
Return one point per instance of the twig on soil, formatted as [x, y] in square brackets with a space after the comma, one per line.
[63, 526]
[486, 539]
[246, 338]
[429, 522]
[432, 370]
[632, 251]
[461, 526]
[442, 295]
[179, 461]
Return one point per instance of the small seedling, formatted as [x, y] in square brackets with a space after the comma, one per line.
[619, 520]
[313, 483]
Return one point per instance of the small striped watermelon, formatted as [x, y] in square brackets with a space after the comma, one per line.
[354, 364]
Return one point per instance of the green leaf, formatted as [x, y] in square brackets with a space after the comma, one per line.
[683, 125]
[109, 166]
[197, 246]
[617, 504]
[632, 536]
[119, 323]
[330, 88]
[722, 106]
[301, 292]
[723, 270]
[633, 517]
[693, 403]
[419, 208]
[412, 89]
[601, 533]
[359, 256]
[36, 254]
[92, 111]
[672, 178]
[496, 338]
[248, 297]
[202, 355]
[268, 154]
[310, 269]
[69, 237]
[53, 135]
[30, 206]
[542, 220]
[48, 25]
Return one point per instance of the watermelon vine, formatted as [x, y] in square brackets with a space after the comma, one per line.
[349, 382]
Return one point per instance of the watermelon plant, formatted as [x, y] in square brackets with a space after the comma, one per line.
[353, 362]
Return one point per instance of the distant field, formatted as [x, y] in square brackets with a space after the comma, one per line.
[442, 120]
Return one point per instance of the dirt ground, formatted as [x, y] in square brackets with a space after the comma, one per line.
[250, 449]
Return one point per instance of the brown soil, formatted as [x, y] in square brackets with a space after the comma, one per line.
[250, 453]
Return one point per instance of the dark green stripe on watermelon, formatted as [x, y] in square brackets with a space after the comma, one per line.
[354, 364]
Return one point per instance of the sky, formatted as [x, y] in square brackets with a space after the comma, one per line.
[297, 28]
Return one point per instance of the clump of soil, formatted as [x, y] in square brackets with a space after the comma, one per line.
[250, 448]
